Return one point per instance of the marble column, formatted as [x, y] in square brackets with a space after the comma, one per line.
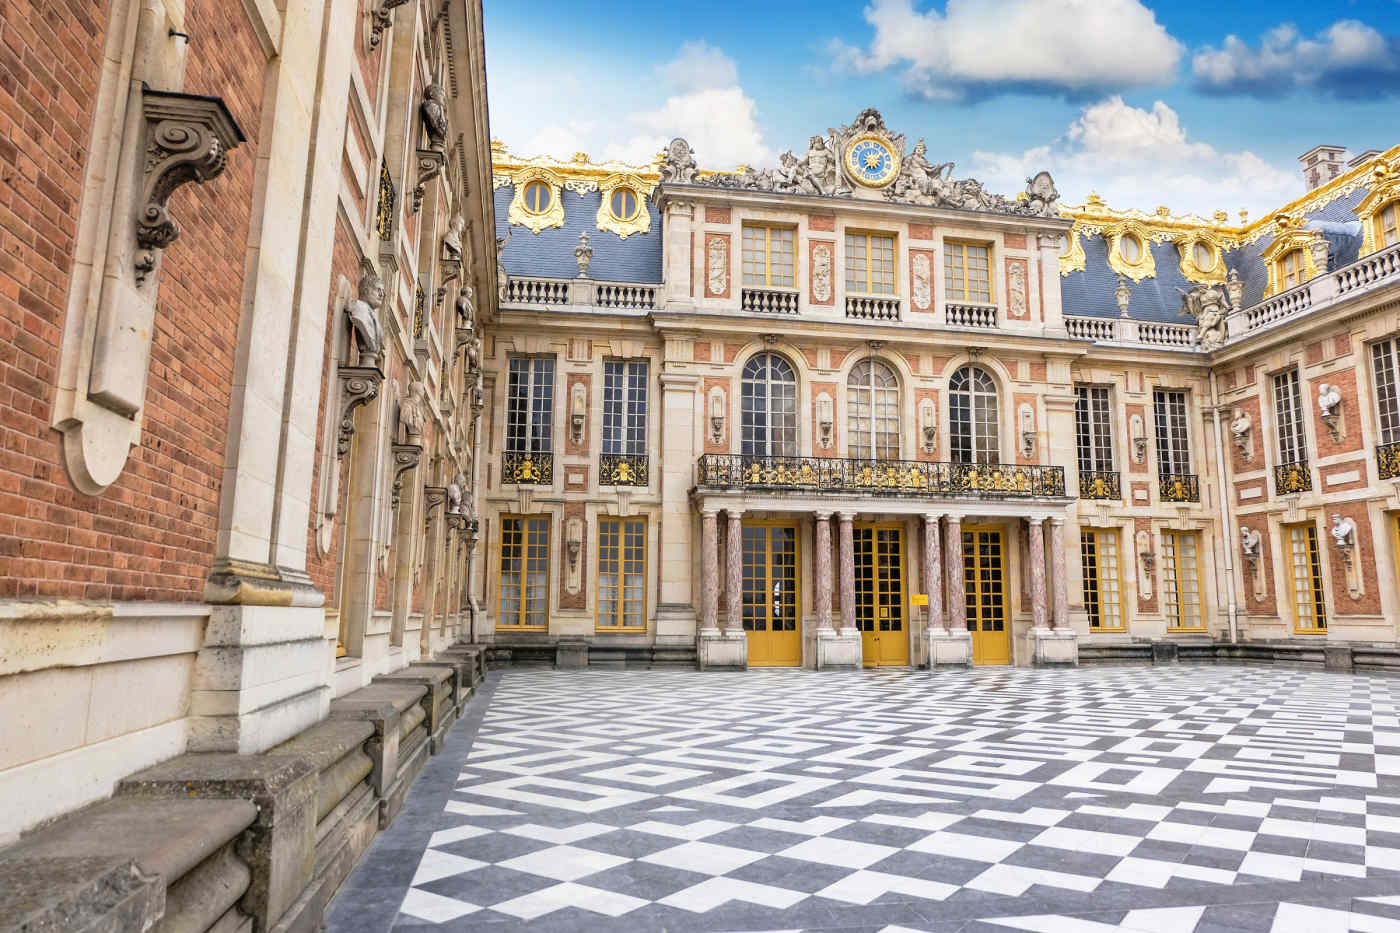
[1037, 568]
[848, 571]
[1059, 584]
[823, 583]
[709, 572]
[953, 562]
[933, 572]
[734, 570]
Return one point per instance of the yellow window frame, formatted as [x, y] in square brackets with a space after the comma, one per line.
[619, 622]
[624, 191]
[1298, 270]
[1315, 591]
[955, 254]
[1099, 535]
[868, 237]
[535, 206]
[768, 230]
[1179, 575]
[1388, 235]
[524, 544]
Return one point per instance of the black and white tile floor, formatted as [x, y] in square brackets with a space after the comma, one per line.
[1154, 799]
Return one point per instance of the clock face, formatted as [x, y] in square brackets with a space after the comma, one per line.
[871, 161]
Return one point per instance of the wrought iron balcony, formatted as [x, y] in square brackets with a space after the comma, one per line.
[1099, 484]
[882, 477]
[1388, 460]
[1290, 478]
[1179, 487]
[622, 469]
[769, 300]
[532, 469]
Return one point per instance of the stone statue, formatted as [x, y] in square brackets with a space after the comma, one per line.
[583, 254]
[1206, 303]
[1041, 200]
[920, 181]
[452, 240]
[466, 308]
[817, 170]
[1321, 252]
[1329, 397]
[363, 312]
[1235, 289]
[411, 412]
[1250, 542]
[678, 163]
[1343, 531]
[434, 111]
[1122, 295]
[502, 279]
[1240, 426]
[454, 494]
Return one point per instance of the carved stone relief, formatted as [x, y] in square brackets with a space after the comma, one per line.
[1137, 433]
[1343, 533]
[717, 266]
[1206, 304]
[1016, 289]
[923, 281]
[821, 272]
[1329, 404]
[1147, 564]
[1242, 431]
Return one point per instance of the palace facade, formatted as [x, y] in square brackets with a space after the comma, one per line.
[855, 411]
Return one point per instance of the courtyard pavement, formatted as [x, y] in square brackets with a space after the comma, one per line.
[1168, 799]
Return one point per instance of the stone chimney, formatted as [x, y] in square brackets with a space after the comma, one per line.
[1321, 164]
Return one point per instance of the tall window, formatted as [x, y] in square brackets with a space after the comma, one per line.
[1385, 367]
[769, 407]
[1093, 429]
[1173, 447]
[1103, 585]
[1292, 270]
[1305, 571]
[768, 255]
[530, 405]
[972, 421]
[622, 569]
[1181, 580]
[524, 590]
[1288, 409]
[872, 412]
[1388, 225]
[625, 407]
[967, 271]
[869, 264]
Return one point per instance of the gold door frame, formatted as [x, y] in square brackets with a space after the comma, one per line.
[1005, 633]
[903, 595]
[768, 525]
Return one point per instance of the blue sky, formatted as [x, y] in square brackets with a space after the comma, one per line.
[1194, 105]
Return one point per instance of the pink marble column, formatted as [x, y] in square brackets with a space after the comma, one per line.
[709, 572]
[734, 571]
[823, 583]
[848, 572]
[1059, 585]
[933, 571]
[1037, 542]
[953, 562]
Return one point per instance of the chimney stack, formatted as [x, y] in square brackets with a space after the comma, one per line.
[1321, 164]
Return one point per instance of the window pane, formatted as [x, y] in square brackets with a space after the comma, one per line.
[1093, 429]
[1385, 364]
[1173, 451]
[973, 417]
[856, 268]
[1289, 414]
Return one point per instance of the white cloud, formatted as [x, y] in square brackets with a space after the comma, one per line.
[704, 103]
[979, 47]
[1142, 158]
[1347, 59]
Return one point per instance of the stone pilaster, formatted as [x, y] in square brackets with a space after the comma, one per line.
[676, 603]
[1057, 647]
[734, 570]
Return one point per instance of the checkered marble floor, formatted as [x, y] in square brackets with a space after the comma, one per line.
[1153, 799]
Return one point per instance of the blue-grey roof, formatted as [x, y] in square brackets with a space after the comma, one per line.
[550, 253]
[1089, 291]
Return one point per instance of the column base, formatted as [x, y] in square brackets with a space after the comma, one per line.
[949, 649]
[722, 651]
[838, 650]
[1054, 647]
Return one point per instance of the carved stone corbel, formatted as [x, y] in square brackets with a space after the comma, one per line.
[188, 139]
[381, 19]
[358, 385]
[1147, 563]
[406, 457]
[433, 496]
[1137, 430]
[430, 166]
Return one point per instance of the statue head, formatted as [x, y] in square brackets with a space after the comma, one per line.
[457, 224]
[920, 148]
[817, 143]
[371, 285]
[436, 93]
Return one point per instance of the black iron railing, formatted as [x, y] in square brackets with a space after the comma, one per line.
[532, 469]
[1388, 460]
[1099, 484]
[1290, 478]
[622, 469]
[882, 477]
[1179, 487]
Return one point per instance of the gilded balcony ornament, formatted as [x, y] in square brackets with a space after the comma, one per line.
[1179, 487]
[528, 469]
[1388, 461]
[1292, 478]
[1099, 484]
[384, 205]
[622, 470]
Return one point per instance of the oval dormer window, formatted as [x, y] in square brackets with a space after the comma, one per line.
[1130, 248]
[537, 197]
[624, 204]
[1203, 256]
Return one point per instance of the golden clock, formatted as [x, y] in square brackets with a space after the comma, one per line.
[871, 161]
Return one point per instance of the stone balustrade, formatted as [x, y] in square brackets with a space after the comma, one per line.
[873, 307]
[963, 314]
[769, 300]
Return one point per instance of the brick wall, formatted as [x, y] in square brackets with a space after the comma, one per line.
[151, 534]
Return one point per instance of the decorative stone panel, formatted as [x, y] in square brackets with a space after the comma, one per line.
[1253, 604]
[922, 281]
[717, 266]
[1023, 404]
[1147, 601]
[574, 566]
[821, 265]
[823, 222]
[1014, 241]
[921, 231]
[1368, 601]
[579, 448]
[700, 351]
[1138, 464]
[717, 215]
[710, 383]
[1238, 464]
[826, 442]
[1017, 290]
[1341, 477]
[921, 447]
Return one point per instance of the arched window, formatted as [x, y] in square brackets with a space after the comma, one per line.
[872, 412]
[972, 417]
[1388, 225]
[769, 407]
[1291, 271]
[538, 197]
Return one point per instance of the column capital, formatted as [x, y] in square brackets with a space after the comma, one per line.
[709, 511]
[822, 516]
[1057, 521]
[931, 518]
[1035, 521]
[846, 516]
[733, 513]
[954, 519]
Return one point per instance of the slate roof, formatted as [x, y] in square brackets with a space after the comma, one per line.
[550, 253]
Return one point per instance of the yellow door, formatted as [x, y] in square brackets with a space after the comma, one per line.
[771, 615]
[984, 586]
[880, 614]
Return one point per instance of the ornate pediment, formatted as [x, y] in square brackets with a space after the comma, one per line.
[865, 159]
